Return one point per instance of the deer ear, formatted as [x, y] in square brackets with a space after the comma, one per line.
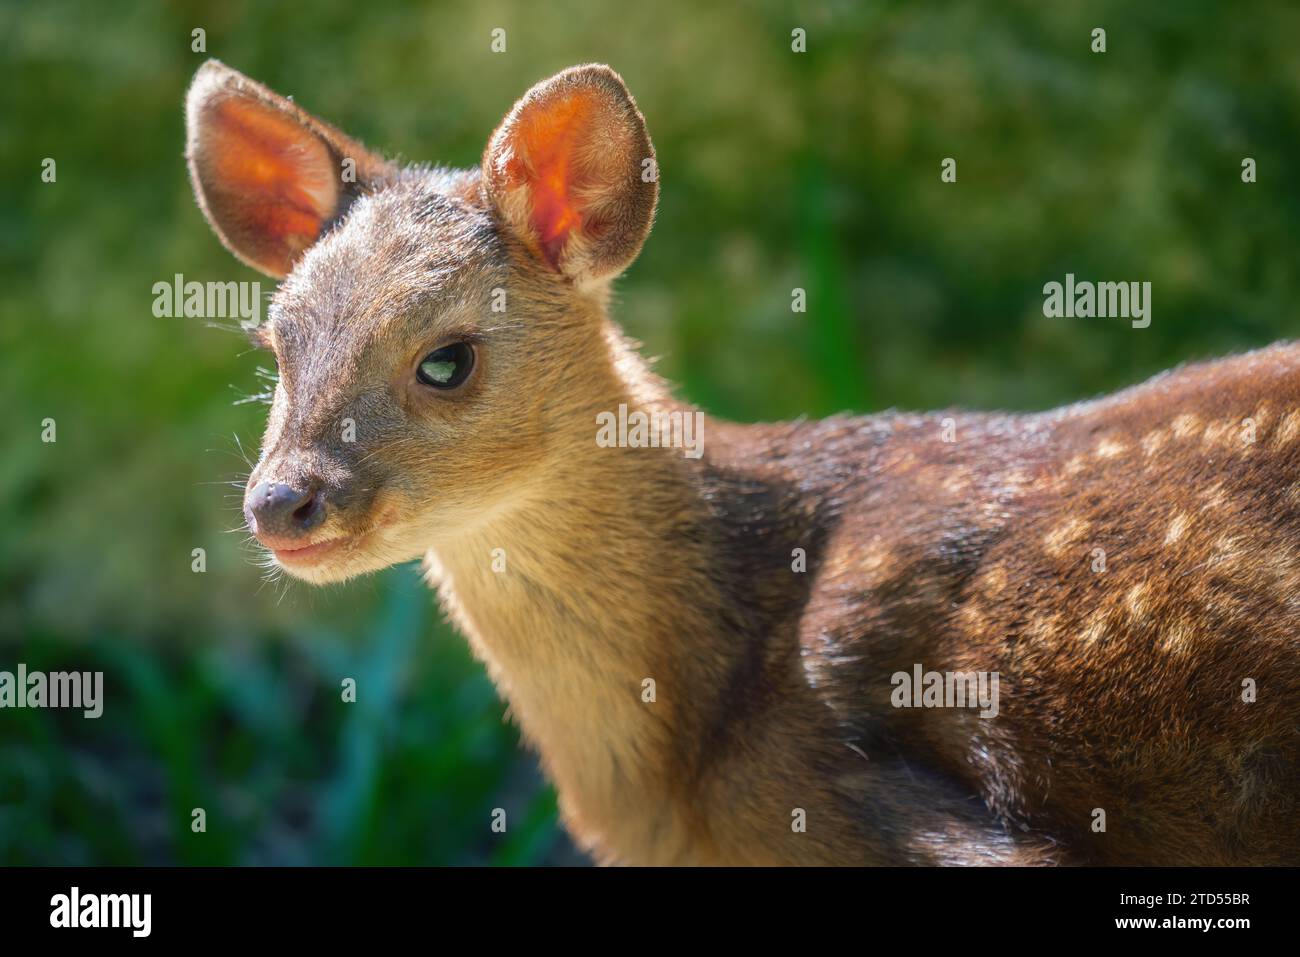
[268, 176]
[572, 173]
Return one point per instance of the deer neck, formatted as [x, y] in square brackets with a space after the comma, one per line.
[601, 606]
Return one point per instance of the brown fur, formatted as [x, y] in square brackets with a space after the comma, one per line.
[1121, 689]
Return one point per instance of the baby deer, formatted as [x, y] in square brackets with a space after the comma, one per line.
[1070, 637]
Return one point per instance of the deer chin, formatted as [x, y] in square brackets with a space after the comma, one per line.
[338, 557]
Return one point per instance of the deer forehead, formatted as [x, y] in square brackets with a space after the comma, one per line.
[405, 266]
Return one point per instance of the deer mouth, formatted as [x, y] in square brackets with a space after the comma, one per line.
[293, 556]
[336, 555]
[308, 554]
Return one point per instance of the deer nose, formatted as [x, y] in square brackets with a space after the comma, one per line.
[278, 510]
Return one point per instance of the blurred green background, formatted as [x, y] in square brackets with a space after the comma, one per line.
[780, 170]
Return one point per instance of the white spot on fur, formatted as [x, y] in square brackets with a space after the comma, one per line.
[1136, 600]
[1046, 629]
[876, 558]
[1060, 538]
[1154, 440]
[1186, 425]
[994, 580]
[973, 618]
[1216, 432]
[1096, 630]
[1287, 429]
[1177, 638]
[1214, 497]
[1109, 448]
[1227, 548]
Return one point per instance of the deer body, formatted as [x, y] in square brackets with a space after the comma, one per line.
[1121, 687]
[1123, 566]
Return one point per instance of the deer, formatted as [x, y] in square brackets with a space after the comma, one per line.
[709, 652]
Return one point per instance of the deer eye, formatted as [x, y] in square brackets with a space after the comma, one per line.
[447, 367]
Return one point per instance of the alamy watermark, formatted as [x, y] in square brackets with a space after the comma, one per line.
[133, 912]
[652, 430]
[209, 300]
[1102, 300]
[57, 689]
[946, 689]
